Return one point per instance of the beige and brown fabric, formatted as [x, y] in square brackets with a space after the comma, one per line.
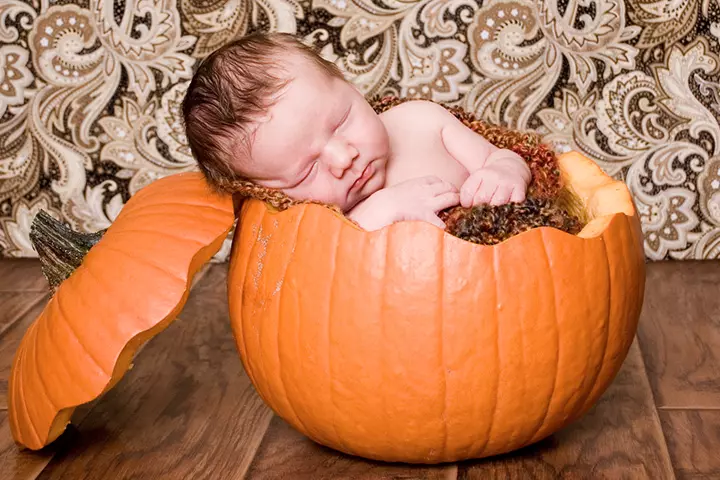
[89, 91]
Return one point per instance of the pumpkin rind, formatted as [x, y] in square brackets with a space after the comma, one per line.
[129, 287]
[408, 344]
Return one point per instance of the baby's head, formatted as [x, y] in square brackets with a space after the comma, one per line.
[267, 108]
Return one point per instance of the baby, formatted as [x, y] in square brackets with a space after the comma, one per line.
[267, 108]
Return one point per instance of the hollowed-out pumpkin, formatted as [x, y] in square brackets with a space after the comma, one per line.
[409, 344]
[404, 344]
[129, 286]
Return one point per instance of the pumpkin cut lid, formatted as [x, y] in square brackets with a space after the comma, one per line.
[127, 288]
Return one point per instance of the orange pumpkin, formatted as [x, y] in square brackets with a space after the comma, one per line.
[408, 344]
[120, 296]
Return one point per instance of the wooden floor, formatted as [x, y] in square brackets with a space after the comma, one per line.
[187, 410]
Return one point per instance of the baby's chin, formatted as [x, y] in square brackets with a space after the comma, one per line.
[373, 185]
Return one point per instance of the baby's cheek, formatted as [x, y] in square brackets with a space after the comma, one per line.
[380, 140]
[327, 189]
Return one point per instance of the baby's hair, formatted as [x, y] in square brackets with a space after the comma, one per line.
[231, 89]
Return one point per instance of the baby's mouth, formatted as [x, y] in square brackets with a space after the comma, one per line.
[363, 177]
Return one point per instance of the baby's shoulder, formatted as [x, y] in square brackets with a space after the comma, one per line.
[418, 112]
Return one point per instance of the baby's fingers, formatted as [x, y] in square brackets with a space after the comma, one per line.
[502, 195]
[485, 193]
[518, 195]
[445, 200]
[469, 189]
[441, 186]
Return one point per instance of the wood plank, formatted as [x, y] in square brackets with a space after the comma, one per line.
[620, 437]
[186, 409]
[693, 438]
[14, 305]
[680, 333]
[17, 464]
[285, 453]
[13, 334]
[22, 275]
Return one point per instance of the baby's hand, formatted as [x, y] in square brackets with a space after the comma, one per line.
[421, 199]
[502, 180]
[414, 199]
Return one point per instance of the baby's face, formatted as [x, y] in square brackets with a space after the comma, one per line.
[320, 141]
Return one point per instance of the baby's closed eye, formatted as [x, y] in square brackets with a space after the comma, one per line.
[311, 172]
[342, 121]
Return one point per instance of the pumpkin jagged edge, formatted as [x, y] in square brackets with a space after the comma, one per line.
[129, 287]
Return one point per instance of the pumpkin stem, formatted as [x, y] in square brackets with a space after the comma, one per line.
[61, 249]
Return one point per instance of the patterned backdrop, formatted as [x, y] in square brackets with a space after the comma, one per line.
[90, 91]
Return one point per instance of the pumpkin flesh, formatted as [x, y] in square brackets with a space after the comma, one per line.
[408, 344]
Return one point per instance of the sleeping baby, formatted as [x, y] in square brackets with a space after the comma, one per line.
[269, 109]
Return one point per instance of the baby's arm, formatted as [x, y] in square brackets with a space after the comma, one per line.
[414, 199]
[497, 175]
[467, 147]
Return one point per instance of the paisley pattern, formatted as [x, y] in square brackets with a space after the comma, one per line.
[90, 92]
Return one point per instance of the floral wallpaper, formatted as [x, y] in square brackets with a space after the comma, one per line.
[90, 90]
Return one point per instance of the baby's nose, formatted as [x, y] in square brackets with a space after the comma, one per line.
[341, 157]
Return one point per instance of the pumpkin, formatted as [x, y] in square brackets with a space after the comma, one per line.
[409, 344]
[128, 287]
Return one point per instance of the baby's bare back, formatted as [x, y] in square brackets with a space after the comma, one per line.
[416, 145]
